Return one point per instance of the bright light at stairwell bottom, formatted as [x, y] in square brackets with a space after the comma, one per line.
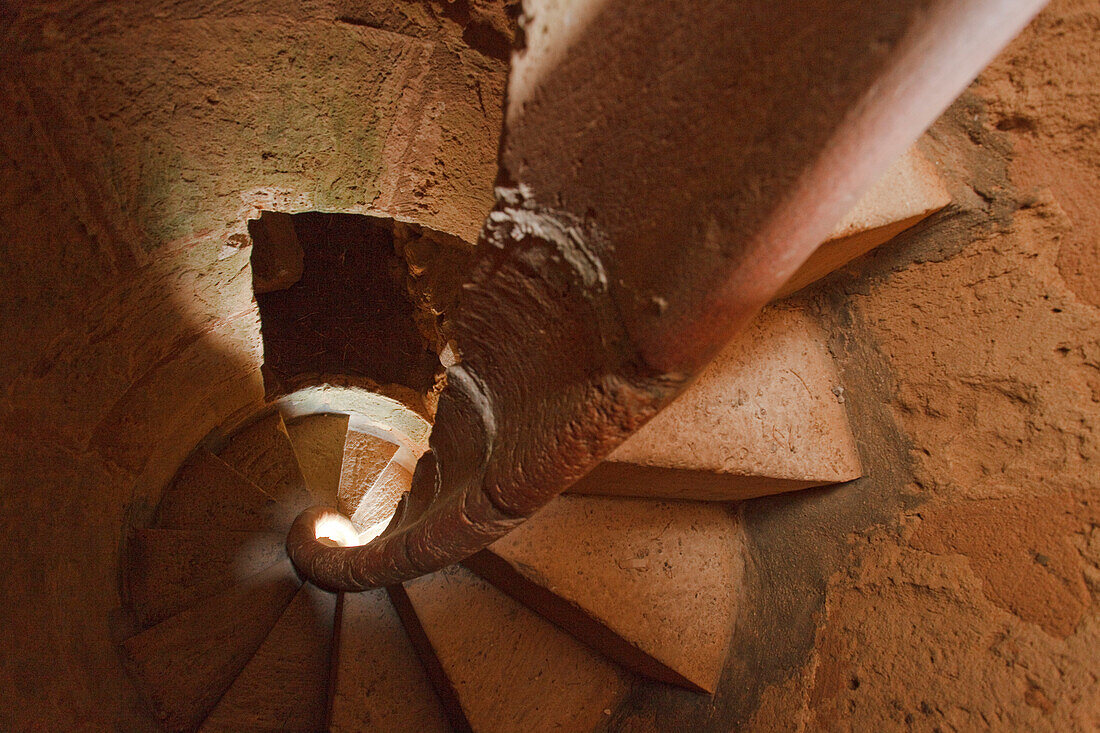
[337, 530]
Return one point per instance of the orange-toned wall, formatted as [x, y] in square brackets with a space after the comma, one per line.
[136, 140]
[956, 586]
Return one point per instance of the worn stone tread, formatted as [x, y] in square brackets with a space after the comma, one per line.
[651, 584]
[185, 664]
[207, 493]
[765, 416]
[378, 504]
[907, 193]
[379, 682]
[169, 570]
[319, 444]
[365, 457]
[263, 452]
[507, 668]
[285, 685]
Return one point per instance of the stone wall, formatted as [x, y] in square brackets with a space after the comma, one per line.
[955, 587]
[138, 140]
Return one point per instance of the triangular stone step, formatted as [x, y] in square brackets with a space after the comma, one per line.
[185, 664]
[263, 452]
[365, 457]
[319, 444]
[285, 685]
[169, 570]
[377, 506]
[506, 668]
[379, 684]
[651, 584]
[208, 493]
[766, 416]
[907, 193]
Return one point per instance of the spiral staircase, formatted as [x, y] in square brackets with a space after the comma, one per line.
[542, 631]
[632, 574]
[335, 562]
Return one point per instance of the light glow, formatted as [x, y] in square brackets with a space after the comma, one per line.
[374, 530]
[337, 530]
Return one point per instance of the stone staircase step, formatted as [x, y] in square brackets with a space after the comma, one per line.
[909, 191]
[379, 682]
[613, 478]
[285, 685]
[651, 584]
[766, 416]
[185, 664]
[169, 570]
[506, 668]
[207, 493]
[319, 444]
[377, 506]
[365, 457]
[263, 452]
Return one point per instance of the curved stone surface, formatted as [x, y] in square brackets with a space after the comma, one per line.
[168, 570]
[319, 444]
[208, 493]
[508, 669]
[767, 415]
[597, 295]
[652, 584]
[185, 664]
[262, 452]
[285, 684]
[365, 457]
[379, 683]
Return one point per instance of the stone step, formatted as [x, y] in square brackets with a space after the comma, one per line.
[651, 584]
[909, 191]
[766, 416]
[319, 444]
[263, 452]
[365, 457]
[377, 506]
[285, 685]
[503, 667]
[169, 570]
[207, 493]
[379, 682]
[185, 664]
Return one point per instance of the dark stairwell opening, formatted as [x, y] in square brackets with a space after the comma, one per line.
[334, 300]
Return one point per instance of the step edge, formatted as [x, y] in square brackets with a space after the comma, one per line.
[576, 622]
[448, 695]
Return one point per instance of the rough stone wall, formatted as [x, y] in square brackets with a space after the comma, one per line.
[954, 587]
[975, 603]
[137, 140]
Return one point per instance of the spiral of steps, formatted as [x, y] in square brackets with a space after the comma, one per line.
[633, 574]
[545, 630]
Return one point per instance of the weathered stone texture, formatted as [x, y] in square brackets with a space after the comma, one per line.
[365, 457]
[956, 585]
[185, 664]
[651, 584]
[767, 415]
[319, 444]
[137, 142]
[285, 685]
[909, 192]
[380, 683]
[169, 570]
[512, 670]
